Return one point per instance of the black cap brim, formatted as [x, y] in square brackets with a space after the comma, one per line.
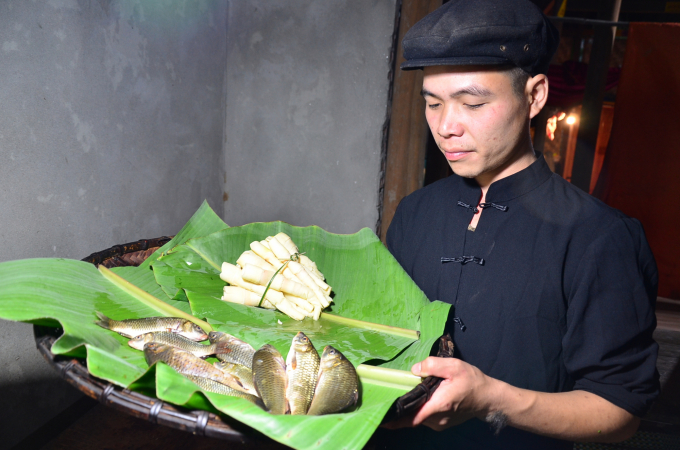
[415, 64]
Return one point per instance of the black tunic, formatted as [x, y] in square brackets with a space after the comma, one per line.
[554, 291]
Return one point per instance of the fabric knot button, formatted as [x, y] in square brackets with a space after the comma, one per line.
[502, 48]
[526, 48]
[464, 260]
[493, 205]
[466, 206]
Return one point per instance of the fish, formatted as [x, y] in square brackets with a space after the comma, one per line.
[302, 369]
[232, 349]
[337, 384]
[134, 327]
[187, 364]
[175, 340]
[269, 375]
[243, 373]
[213, 386]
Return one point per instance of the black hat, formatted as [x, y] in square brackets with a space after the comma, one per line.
[482, 32]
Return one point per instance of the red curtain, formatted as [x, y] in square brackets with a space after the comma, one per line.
[568, 82]
[641, 169]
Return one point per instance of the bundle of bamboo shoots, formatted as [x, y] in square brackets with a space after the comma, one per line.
[274, 275]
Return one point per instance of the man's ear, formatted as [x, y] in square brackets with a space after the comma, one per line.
[537, 93]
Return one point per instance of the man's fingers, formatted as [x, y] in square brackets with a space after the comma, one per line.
[433, 366]
[428, 409]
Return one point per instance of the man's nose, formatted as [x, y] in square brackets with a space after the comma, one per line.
[450, 125]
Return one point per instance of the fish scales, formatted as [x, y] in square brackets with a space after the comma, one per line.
[188, 364]
[134, 327]
[302, 368]
[269, 375]
[243, 373]
[231, 349]
[337, 385]
[174, 340]
[213, 386]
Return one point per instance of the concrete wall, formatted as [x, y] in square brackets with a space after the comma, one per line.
[114, 123]
[111, 130]
[306, 100]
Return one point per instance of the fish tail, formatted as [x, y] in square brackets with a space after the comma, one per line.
[103, 321]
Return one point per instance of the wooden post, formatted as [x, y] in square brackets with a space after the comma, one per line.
[589, 122]
[406, 145]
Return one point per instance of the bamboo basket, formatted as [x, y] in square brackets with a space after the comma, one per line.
[202, 423]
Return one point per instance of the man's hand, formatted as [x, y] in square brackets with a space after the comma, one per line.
[465, 392]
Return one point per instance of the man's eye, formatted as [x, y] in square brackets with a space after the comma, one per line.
[476, 106]
[434, 105]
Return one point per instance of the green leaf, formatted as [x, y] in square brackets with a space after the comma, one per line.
[432, 319]
[203, 222]
[259, 326]
[369, 284]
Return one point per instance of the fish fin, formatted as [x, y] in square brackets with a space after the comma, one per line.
[103, 321]
[222, 347]
[293, 362]
[355, 397]
[238, 381]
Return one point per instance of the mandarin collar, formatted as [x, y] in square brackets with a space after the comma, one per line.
[519, 183]
[507, 188]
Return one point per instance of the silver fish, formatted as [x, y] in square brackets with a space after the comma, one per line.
[213, 386]
[242, 373]
[302, 369]
[134, 327]
[232, 349]
[337, 385]
[175, 340]
[187, 364]
[269, 375]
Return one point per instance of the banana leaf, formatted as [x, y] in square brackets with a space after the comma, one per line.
[66, 292]
[368, 284]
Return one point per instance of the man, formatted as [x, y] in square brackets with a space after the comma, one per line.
[552, 291]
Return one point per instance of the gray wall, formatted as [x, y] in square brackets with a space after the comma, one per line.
[114, 126]
[306, 100]
[111, 130]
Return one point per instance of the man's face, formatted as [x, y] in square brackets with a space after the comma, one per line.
[478, 122]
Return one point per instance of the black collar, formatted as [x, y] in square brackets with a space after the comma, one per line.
[519, 183]
[507, 188]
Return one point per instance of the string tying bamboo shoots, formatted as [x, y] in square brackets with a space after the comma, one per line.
[232, 275]
[262, 277]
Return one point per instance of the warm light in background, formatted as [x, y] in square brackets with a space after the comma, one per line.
[562, 115]
[571, 120]
[550, 127]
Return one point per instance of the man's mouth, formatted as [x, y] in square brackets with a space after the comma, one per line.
[455, 155]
